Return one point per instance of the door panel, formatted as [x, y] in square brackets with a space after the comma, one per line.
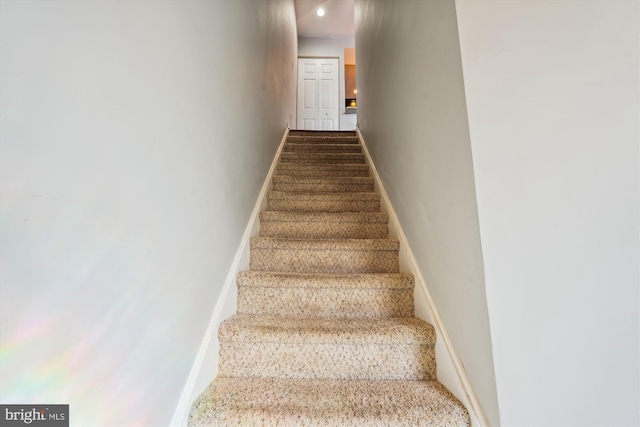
[309, 97]
[326, 94]
[318, 94]
[327, 68]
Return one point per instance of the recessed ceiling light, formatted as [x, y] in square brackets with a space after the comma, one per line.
[320, 11]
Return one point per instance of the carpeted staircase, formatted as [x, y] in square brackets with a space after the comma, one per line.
[325, 333]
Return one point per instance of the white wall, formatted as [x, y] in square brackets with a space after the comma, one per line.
[135, 137]
[552, 94]
[328, 46]
[412, 114]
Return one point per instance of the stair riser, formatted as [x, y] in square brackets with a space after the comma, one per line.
[323, 187]
[320, 261]
[322, 172]
[327, 361]
[323, 140]
[324, 133]
[399, 281]
[328, 302]
[312, 173]
[321, 148]
[321, 403]
[323, 230]
[296, 205]
[310, 159]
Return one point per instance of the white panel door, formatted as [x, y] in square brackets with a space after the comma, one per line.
[318, 107]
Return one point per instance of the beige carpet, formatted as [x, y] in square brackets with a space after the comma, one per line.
[325, 333]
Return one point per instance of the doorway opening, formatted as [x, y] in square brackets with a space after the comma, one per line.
[349, 120]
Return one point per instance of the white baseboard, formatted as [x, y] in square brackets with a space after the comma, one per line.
[205, 365]
[450, 370]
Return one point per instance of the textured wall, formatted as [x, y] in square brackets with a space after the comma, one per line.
[412, 113]
[135, 137]
[552, 94]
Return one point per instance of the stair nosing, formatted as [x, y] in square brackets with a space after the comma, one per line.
[329, 402]
[295, 178]
[398, 281]
[329, 217]
[352, 245]
[365, 195]
[254, 328]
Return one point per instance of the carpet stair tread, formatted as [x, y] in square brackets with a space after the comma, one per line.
[320, 139]
[313, 302]
[361, 245]
[323, 138]
[329, 348]
[325, 295]
[305, 184]
[344, 169]
[324, 256]
[359, 196]
[361, 403]
[302, 147]
[321, 158]
[357, 180]
[324, 225]
[323, 166]
[327, 133]
[310, 330]
[323, 202]
[288, 216]
[326, 302]
[272, 279]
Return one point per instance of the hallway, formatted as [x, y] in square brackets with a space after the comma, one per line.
[135, 138]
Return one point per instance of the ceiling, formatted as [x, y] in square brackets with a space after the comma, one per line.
[338, 20]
